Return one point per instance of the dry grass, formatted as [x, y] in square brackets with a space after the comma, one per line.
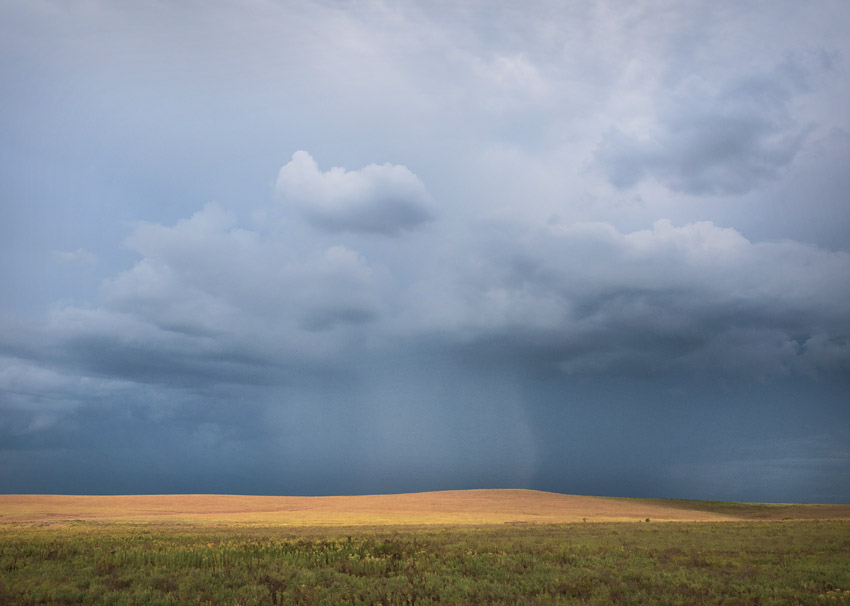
[463, 507]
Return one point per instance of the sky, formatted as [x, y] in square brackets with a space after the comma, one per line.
[331, 247]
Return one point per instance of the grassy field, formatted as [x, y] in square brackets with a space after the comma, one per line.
[448, 507]
[162, 558]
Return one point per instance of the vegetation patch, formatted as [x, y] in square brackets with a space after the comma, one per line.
[800, 562]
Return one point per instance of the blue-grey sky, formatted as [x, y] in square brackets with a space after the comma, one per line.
[354, 247]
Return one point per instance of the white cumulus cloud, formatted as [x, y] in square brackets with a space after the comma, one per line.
[385, 199]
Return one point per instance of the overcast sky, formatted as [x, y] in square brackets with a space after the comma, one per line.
[356, 247]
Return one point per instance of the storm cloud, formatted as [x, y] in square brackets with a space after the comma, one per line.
[593, 250]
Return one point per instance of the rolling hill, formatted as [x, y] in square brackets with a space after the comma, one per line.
[462, 507]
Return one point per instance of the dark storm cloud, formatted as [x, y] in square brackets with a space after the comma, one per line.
[212, 301]
[594, 249]
[393, 365]
[709, 139]
[588, 298]
[155, 363]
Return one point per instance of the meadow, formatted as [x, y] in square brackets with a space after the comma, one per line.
[752, 557]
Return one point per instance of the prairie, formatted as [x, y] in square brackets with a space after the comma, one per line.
[464, 507]
[465, 547]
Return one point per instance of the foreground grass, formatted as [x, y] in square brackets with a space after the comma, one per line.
[801, 562]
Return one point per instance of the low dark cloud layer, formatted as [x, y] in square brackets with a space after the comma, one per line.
[601, 250]
[215, 301]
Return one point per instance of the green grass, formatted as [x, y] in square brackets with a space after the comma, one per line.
[752, 511]
[801, 562]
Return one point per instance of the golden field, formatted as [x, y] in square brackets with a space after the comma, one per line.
[461, 507]
[499, 547]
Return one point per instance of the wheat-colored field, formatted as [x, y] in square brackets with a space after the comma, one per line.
[461, 507]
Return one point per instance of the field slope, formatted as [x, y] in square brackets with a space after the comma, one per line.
[463, 507]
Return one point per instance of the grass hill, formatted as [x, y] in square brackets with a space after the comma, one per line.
[456, 507]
